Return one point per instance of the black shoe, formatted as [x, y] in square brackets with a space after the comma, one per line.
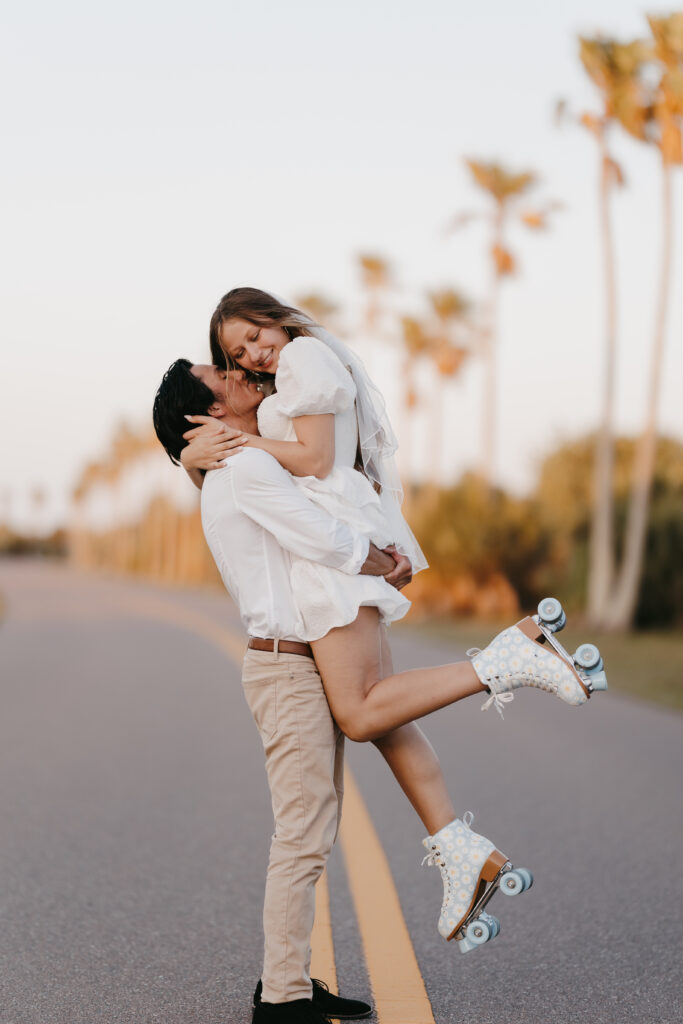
[326, 1003]
[298, 1011]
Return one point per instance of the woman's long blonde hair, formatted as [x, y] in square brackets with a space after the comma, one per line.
[257, 307]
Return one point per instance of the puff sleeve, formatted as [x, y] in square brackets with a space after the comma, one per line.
[310, 380]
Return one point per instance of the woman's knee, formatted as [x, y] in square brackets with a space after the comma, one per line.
[357, 726]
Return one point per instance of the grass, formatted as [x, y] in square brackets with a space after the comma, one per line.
[648, 665]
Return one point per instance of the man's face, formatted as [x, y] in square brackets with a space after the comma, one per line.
[233, 390]
[214, 378]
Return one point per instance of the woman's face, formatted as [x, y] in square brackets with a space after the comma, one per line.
[252, 346]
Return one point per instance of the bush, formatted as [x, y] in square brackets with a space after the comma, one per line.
[491, 554]
[484, 549]
[564, 495]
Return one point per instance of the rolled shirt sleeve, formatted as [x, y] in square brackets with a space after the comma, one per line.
[266, 493]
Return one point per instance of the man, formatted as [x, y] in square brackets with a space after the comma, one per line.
[253, 516]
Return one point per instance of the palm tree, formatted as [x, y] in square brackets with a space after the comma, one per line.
[416, 346]
[505, 189]
[5, 505]
[376, 277]
[611, 67]
[449, 345]
[319, 306]
[653, 116]
[38, 503]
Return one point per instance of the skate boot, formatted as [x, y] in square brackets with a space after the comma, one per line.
[472, 870]
[528, 654]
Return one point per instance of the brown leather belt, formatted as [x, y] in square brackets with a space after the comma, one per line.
[284, 646]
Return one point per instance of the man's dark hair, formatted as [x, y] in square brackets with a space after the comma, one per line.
[180, 393]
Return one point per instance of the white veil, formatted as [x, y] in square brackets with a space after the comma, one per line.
[377, 439]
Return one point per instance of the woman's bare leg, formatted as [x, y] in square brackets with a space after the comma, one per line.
[414, 763]
[367, 706]
[416, 768]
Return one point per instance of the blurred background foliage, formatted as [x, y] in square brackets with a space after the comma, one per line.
[565, 500]
[493, 554]
[602, 528]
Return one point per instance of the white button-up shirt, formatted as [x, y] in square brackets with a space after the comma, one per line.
[254, 515]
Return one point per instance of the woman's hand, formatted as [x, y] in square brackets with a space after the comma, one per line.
[210, 443]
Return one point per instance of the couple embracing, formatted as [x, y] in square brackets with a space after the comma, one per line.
[301, 508]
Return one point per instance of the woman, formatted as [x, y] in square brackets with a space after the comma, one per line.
[326, 424]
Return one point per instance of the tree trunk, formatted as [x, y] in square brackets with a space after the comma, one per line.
[408, 438]
[625, 596]
[437, 408]
[601, 561]
[490, 400]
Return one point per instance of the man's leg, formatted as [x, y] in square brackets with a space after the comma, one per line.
[301, 743]
[339, 774]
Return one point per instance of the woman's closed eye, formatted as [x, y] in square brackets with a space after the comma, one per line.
[240, 353]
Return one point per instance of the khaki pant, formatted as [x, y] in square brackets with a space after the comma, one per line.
[304, 763]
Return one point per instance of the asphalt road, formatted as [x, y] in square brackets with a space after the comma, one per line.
[135, 823]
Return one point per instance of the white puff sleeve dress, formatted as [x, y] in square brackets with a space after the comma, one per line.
[311, 380]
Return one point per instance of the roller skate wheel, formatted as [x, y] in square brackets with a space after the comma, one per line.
[479, 931]
[550, 613]
[512, 883]
[493, 923]
[588, 656]
[527, 876]
[598, 680]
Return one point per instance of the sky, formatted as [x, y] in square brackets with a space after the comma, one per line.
[157, 155]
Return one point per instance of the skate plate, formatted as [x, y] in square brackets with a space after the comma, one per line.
[539, 633]
[476, 915]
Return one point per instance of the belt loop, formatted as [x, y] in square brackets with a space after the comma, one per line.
[276, 647]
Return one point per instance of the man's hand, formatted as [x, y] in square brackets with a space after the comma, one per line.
[402, 571]
[210, 443]
[395, 568]
[378, 563]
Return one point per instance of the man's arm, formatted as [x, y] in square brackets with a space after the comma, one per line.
[265, 492]
[378, 563]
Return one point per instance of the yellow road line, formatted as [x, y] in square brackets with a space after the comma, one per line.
[397, 984]
[322, 944]
[395, 977]
[228, 641]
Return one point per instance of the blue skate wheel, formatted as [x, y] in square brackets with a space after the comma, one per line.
[512, 883]
[550, 610]
[588, 656]
[479, 931]
[527, 876]
[598, 680]
[493, 922]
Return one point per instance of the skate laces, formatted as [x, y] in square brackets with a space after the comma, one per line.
[498, 699]
[435, 859]
[435, 856]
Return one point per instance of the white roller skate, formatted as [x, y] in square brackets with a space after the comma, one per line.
[472, 870]
[528, 654]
